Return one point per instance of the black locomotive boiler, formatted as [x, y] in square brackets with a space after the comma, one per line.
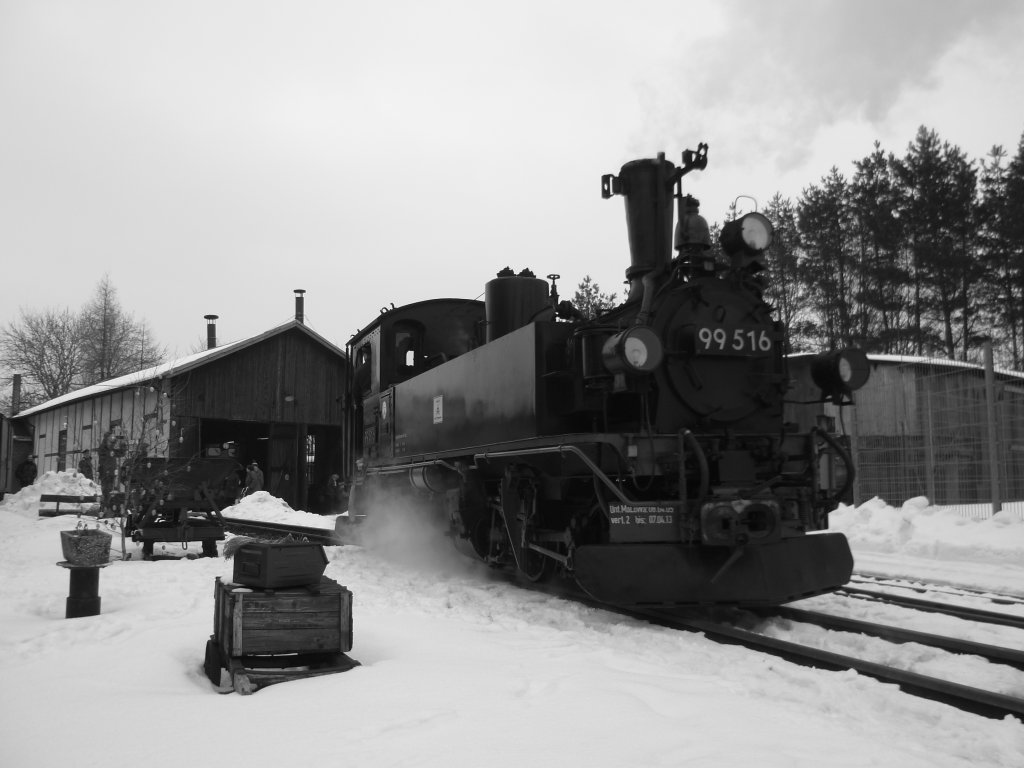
[642, 452]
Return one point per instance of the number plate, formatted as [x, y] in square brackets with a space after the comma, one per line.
[731, 340]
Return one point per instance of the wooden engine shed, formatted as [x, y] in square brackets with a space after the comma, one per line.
[275, 398]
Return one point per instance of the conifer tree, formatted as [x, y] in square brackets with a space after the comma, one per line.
[113, 342]
[589, 299]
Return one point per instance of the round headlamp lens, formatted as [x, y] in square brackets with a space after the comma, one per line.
[635, 350]
[757, 231]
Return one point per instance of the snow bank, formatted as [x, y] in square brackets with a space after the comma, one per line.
[920, 529]
[26, 501]
[267, 508]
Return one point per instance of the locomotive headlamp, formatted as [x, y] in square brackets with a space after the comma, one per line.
[840, 373]
[635, 350]
[748, 235]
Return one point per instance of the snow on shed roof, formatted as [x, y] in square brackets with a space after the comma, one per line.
[175, 367]
[937, 362]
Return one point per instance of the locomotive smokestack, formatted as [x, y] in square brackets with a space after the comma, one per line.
[647, 187]
[300, 309]
[211, 331]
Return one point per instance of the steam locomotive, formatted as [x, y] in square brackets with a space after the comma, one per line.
[642, 452]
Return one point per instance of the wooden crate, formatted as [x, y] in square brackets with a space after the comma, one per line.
[309, 619]
[275, 565]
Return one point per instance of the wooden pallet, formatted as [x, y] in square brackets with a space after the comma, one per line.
[247, 674]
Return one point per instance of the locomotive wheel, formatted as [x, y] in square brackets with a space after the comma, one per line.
[536, 567]
[480, 538]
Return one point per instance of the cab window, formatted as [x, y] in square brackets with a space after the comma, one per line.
[408, 340]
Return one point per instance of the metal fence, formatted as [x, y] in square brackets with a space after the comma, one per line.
[954, 434]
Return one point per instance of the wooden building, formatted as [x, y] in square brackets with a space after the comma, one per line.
[925, 427]
[276, 398]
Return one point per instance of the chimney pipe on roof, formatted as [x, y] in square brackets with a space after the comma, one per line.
[300, 312]
[211, 331]
[16, 395]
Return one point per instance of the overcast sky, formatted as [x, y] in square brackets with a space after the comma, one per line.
[211, 156]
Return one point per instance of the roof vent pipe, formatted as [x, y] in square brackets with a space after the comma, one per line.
[16, 394]
[211, 331]
[300, 312]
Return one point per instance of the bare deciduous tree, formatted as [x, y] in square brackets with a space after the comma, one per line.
[45, 346]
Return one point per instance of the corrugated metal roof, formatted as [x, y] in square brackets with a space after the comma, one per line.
[936, 362]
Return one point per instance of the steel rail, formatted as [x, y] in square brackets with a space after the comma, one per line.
[939, 587]
[998, 654]
[963, 697]
[931, 606]
[316, 535]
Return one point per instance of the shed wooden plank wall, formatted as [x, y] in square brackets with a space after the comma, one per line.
[142, 412]
[252, 384]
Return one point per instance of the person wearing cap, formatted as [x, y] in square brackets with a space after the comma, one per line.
[253, 478]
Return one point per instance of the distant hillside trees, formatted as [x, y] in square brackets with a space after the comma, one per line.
[58, 351]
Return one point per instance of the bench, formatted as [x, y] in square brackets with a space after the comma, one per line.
[61, 498]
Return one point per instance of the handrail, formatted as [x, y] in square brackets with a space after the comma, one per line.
[598, 473]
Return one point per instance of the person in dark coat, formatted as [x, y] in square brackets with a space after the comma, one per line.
[111, 448]
[26, 472]
[85, 466]
[253, 479]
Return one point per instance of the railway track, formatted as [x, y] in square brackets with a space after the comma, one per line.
[931, 606]
[963, 697]
[944, 588]
[264, 529]
[722, 626]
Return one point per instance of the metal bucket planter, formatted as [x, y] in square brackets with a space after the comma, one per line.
[85, 546]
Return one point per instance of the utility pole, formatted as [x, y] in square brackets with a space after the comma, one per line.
[990, 420]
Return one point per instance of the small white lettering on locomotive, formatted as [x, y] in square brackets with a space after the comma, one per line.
[439, 409]
[622, 514]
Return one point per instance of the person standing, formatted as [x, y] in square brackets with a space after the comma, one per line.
[253, 479]
[85, 466]
[111, 448]
[26, 472]
[334, 489]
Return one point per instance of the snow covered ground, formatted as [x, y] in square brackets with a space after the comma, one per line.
[461, 670]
